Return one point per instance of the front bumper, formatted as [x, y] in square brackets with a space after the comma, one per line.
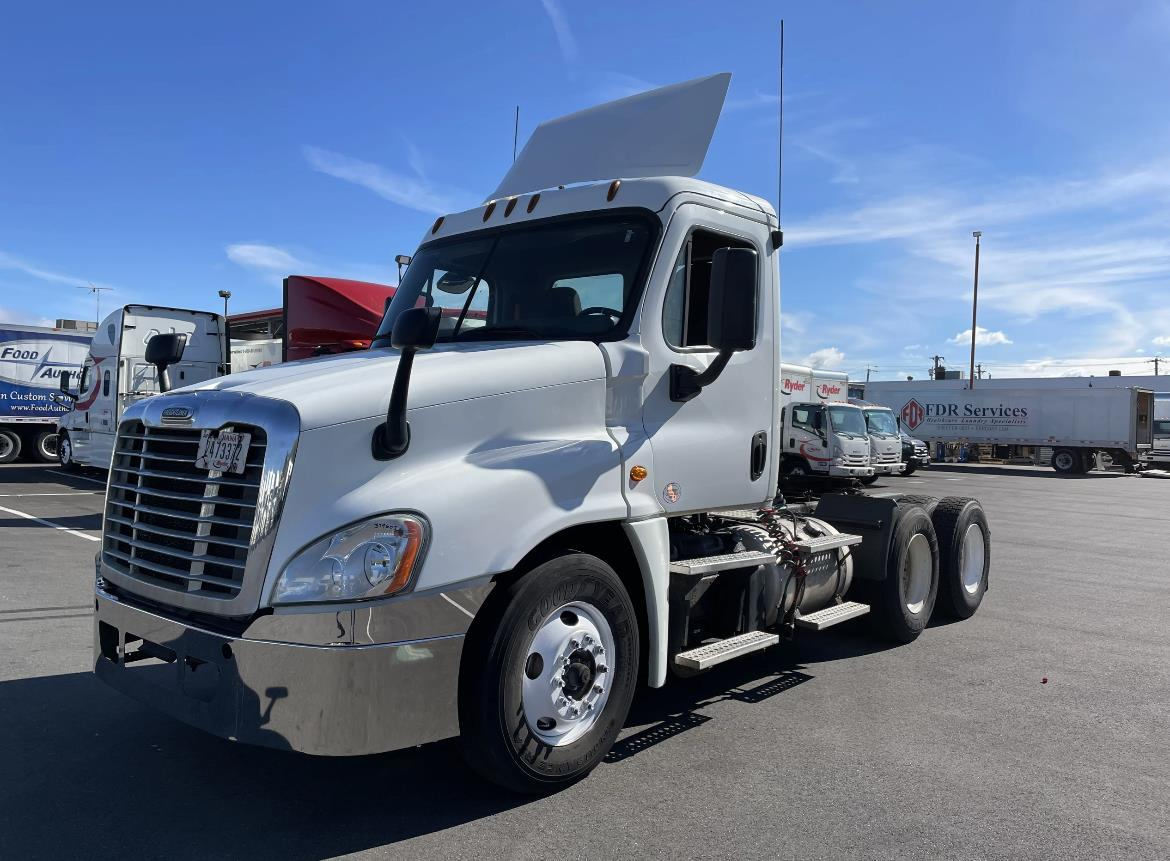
[837, 470]
[889, 468]
[331, 700]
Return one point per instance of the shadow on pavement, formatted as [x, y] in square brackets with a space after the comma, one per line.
[90, 774]
[75, 521]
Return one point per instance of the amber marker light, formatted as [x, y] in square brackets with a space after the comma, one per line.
[638, 473]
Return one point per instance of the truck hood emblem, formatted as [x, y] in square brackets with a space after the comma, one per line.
[178, 415]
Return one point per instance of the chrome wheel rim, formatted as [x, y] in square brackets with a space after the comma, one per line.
[916, 571]
[972, 558]
[48, 446]
[6, 446]
[567, 673]
[65, 451]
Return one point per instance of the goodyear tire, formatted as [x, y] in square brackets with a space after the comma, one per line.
[904, 600]
[927, 503]
[548, 673]
[9, 446]
[964, 541]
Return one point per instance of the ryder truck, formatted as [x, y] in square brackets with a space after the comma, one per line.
[541, 484]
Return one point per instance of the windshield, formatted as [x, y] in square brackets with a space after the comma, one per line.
[846, 420]
[569, 279]
[881, 421]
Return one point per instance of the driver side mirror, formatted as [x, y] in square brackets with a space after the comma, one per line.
[415, 329]
[731, 318]
[162, 351]
[63, 381]
[731, 304]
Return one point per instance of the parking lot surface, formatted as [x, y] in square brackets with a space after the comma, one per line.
[1038, 729]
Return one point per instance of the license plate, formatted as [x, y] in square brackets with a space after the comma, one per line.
[223, 452]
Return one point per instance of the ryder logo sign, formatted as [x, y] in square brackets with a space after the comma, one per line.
[913, 414]
[793, 386]
[829, 390]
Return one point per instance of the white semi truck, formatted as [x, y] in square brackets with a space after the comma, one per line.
[116, 374]
[1076, 423]
[820, 435]
[495, 528]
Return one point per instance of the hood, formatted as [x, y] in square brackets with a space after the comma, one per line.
[335, 389]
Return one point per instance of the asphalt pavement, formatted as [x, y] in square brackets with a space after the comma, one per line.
[1038, 729]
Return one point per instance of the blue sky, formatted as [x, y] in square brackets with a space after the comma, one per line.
[171, 152]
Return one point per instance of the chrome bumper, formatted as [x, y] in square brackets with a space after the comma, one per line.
[331, 700]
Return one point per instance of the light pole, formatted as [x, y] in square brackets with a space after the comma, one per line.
[225, 295]
[974, 307]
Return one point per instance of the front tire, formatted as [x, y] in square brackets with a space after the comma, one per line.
[868, 480]
[65, 452]
[910, 468]
[548, 675]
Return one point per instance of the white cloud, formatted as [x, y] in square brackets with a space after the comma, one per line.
[827, 357]
[266, 258]
[560, 25]
[983, 337]
[1161, 341]
[8, 261]
[414, 192]
[7, 316]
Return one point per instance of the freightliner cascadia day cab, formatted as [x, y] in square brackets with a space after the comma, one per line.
[821, 435]
[541, 484]
[117, 374]
[32, 360]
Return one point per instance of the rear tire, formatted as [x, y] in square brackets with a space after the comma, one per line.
[905, 599]
[1066, 461]
[518, 727]
[45, 446]
[9, 445]
[927, 503]
[964, 541]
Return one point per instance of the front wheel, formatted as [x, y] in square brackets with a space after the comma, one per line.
[65, 452]
[1066, 461]
[797, 469]
[911, 466]
[868, 480]
[548, 675]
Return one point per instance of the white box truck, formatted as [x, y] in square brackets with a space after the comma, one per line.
[32, 360]
[116, 374]
[820, 434]
[1159, 455]
[495, 529]
[1076, 423]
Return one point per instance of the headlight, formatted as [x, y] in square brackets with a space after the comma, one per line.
[366, 560]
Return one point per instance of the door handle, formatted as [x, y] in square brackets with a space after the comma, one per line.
[759, 458]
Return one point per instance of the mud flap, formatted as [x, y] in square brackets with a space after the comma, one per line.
[872, 518]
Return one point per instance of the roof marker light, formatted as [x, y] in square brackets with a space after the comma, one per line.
[532, 203]
[491, 207]
[438, 224]
[511, 205]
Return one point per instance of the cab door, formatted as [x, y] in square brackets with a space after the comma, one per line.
[717, 449]
[806, 435]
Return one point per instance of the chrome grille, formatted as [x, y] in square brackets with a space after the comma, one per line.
[889, 457]
[173, 526]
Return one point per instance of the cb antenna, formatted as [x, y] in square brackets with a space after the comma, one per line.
[778, 235]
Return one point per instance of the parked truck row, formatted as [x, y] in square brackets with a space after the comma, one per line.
[540, 485]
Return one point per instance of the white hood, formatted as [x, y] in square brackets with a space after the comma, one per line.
[336, 389]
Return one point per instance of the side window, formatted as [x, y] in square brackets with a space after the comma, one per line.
[86, 377]
[684, 311]
[805, 418]
[105, 384]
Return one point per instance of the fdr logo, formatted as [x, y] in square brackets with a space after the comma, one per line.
[913, 414]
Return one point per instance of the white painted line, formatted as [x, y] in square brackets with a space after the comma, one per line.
[462, 610]
[58, 526]
[69, 493]
[952, 479]
[100, 481]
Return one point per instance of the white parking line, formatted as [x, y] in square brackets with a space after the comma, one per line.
[50, 523]
[952, 479]
[100, 481]
[68, 493]
[458, 607]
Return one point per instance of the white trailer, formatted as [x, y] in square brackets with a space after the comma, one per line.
[1076, 423]
[117, 374]
[496, 527]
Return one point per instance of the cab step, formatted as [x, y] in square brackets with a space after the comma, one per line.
[724, 650]
[825, 543]
[831, 616]
[724, 562]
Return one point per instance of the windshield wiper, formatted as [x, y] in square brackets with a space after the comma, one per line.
[482, 333]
